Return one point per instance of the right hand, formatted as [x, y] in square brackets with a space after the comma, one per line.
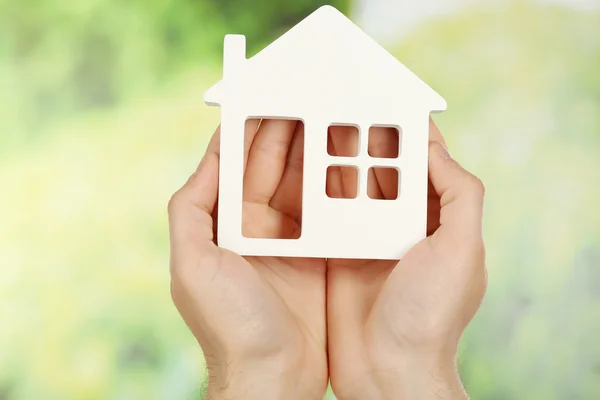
[259, 320]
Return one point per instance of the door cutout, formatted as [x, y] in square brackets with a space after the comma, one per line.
[273, 178]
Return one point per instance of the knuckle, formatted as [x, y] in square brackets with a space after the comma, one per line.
[174, 202]
[475, 186]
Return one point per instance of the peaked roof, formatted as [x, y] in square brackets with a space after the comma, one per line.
[328, 28]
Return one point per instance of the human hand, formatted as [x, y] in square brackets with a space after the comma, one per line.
[394, 327]
[259, 320]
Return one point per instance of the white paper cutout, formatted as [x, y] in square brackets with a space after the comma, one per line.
[327, 71]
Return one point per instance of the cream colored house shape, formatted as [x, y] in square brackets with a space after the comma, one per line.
[326, 71]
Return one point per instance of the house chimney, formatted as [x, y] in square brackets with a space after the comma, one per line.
[234, 54]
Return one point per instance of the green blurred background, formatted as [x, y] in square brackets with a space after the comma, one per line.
[102, 119]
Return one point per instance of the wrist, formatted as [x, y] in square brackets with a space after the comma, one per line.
[264, 380]
[425, 377]
[407, 377]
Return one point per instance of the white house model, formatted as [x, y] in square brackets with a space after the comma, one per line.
[326, 71]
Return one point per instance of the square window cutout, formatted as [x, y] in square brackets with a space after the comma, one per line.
[384, 141]
[342, 140]
[383, 183]
[342, 182]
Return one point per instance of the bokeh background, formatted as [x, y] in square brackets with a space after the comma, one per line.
[102, 119]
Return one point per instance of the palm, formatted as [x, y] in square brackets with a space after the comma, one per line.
[294, 289]
[269, 309]
[358, 291]
[286, 296]
[360, 287]
[272, 209]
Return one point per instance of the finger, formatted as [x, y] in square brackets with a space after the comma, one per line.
[267, 159]
[384, 142]
[433, 210]
[344, 141]
[388, 181]
[334, 186]
[435, 135]
[250, 130]
[214, 145]
[341, 142]
[373, 188]
[461, 194]
[190, 208]
[433, 199]
[349, 179]
[288, 196]
[342, 182]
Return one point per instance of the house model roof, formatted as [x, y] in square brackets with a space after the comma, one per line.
[325, 57]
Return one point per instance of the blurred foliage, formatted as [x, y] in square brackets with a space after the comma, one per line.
[84, 286]
[61, 58]
[523, 88]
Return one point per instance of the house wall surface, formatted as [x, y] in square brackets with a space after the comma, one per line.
[359, 228]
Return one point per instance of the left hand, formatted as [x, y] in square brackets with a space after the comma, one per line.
[394, 327]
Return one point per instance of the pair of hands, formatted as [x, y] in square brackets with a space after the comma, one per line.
[280, 328]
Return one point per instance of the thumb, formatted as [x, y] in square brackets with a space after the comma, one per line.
[192, 206]
[461, 195]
